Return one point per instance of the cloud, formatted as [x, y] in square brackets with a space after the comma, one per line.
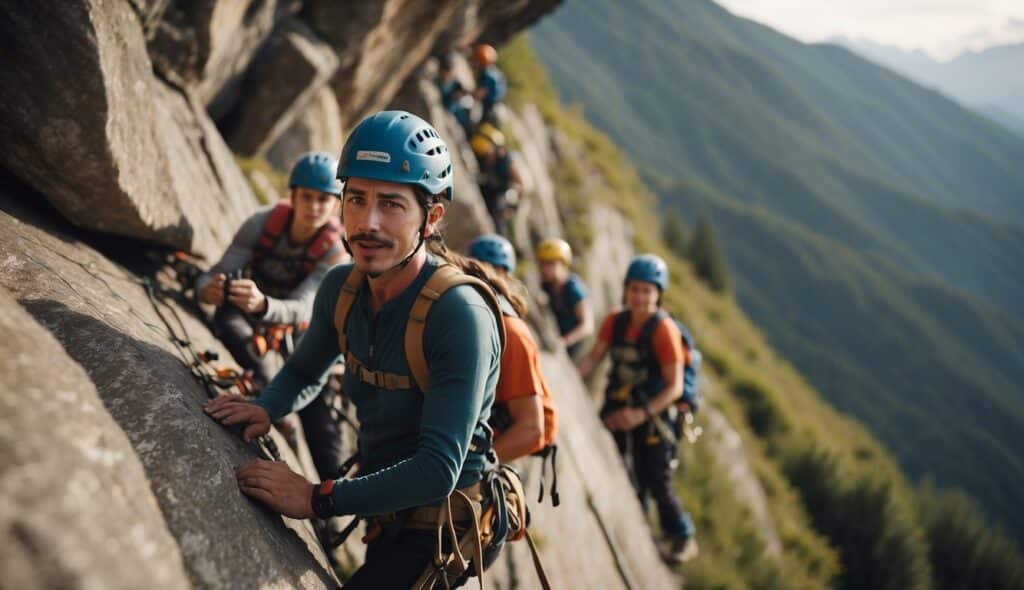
[942, 28]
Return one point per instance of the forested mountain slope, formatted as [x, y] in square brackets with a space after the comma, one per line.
[874, 226]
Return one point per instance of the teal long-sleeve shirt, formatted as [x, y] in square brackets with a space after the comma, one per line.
[414, 445]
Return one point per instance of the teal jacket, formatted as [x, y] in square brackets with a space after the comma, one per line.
[414, 445]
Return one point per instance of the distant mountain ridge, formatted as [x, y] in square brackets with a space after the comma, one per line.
[990, 81]
[875, 227]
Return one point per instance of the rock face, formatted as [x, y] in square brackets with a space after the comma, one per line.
[730, 459]
[101, 315]
[286, 74]
[382, 42]
[605, 263]
[492, 22]
[316, 127]
[207, 45]
[112, 148]
[77, 510]
[373, 68]
[537, 217]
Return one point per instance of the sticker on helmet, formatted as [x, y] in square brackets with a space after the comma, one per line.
[373, 156]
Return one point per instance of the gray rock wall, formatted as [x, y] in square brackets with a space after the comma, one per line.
[287, 73]
[381, 43]
[316, 127]
[207, 45]
[114, 149]
[61, 457]
[101, 315]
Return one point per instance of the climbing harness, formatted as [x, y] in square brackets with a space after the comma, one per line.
[275, 228]
[445, 277]
[490, 514]
[549, 454]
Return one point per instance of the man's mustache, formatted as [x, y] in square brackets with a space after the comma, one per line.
[371, 239]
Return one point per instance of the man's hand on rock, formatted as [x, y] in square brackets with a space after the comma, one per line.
[231, 409]
[247, 296]
[277, 486]
[213, 292]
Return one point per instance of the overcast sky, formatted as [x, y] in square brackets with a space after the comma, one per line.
[942, 28]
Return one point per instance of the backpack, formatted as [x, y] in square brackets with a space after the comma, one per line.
[325, 239]
[550, 413]
[691, 395]
[548, 453]
[445, 277]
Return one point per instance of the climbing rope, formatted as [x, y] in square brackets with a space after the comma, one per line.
[214, 380]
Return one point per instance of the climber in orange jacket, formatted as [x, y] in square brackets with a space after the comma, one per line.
[644, 391]
[523, 416]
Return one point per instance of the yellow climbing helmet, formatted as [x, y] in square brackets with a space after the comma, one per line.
[485, 138]
[481, 145]
[553, 249]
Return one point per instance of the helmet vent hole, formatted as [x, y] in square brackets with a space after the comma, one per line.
[412, 144]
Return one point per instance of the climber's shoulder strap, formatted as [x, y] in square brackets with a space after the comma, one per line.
[646, 338]
[327, 237]
[346, 298]
[275, 225]
[619, 325]
[444, 278]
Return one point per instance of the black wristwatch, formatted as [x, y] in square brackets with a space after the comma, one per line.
[323, 500]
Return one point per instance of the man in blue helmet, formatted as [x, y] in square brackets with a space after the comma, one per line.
[645, 390]
[424, 440]
[265, 283]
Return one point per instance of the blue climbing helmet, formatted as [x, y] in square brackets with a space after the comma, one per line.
[317, 171]
[495, 250]
[396, 146]
[648, 268]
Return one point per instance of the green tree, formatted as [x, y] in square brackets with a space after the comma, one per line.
[880, 542]
[965, 552]
[707, 257]
[674, 233]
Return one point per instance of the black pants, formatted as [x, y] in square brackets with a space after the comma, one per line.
[651, 471]
[323, 432]
[396, 561]
[324, 436]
